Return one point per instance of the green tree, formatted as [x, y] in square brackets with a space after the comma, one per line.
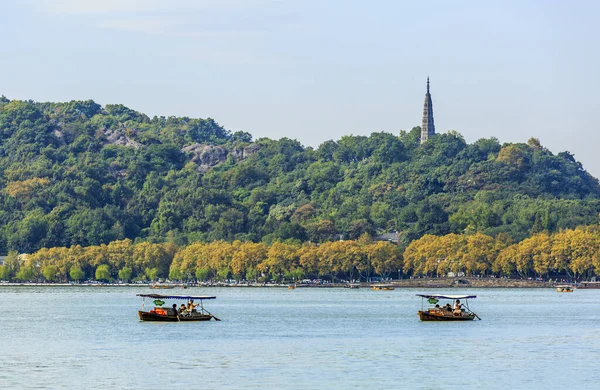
[202, 274]
[76, 273]
[125, 274]
[251, 273]
[12, 264]
[49, 273]
[223, 273]
[26, 273]
[175, 274]
[4, 273]
[103, 272]
[151, 273]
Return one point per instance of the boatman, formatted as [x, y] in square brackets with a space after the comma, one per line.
[457, 309]
[191, 306]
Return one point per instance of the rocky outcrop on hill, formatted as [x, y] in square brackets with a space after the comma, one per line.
[60, 136]
[243, 153]
[116, 137]
[208, 156]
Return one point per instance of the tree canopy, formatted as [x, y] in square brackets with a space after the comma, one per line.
[571, 253]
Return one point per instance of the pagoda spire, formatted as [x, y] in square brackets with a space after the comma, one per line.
[427, 127]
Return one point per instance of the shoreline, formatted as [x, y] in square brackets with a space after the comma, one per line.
[454, 283]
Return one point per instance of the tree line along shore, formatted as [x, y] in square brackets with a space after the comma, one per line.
[573, 254]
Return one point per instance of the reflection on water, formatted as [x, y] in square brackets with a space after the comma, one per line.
[66, 337]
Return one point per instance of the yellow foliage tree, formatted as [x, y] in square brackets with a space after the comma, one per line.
[24, 188]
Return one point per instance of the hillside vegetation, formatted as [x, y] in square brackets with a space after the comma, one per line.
[80, 174]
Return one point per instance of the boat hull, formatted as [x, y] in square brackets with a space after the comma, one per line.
[148, 316]
[428, 315]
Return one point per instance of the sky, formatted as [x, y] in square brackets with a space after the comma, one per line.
[315, 70]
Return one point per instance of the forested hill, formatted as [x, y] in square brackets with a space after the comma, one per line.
[78, 173]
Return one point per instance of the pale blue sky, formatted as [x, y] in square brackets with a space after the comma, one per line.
[316, 70]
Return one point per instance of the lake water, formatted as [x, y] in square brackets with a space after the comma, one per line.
[274, 338]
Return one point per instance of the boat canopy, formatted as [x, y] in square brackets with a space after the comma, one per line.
[437, 296]
[160, 296]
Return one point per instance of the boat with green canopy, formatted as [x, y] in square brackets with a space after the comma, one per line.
[457, 311]
[188, 312]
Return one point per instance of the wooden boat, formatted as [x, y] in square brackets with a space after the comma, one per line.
[291, 287]
[446, 313]
[161, 286]
[353, 285]
[382, 287]
[564, 289]
[172, 314]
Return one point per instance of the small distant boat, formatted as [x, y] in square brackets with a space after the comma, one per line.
[172, 314]
[353, 285]
[564, 289]
[460, 312]
[161, 286]
[382, 287]
[291, 287]
[590, 285]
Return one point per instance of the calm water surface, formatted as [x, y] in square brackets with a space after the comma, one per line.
[272, 338]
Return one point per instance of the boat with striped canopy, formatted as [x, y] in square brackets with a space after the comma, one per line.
[192, 312]
[457, 312]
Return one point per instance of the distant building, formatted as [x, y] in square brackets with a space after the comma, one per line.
[427, 127]
[2, 259]
[390, 237]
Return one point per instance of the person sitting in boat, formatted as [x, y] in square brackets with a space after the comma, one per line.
[175, 309]
[182, 309]
[457, 308]
[191, 306]
[448, 307]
